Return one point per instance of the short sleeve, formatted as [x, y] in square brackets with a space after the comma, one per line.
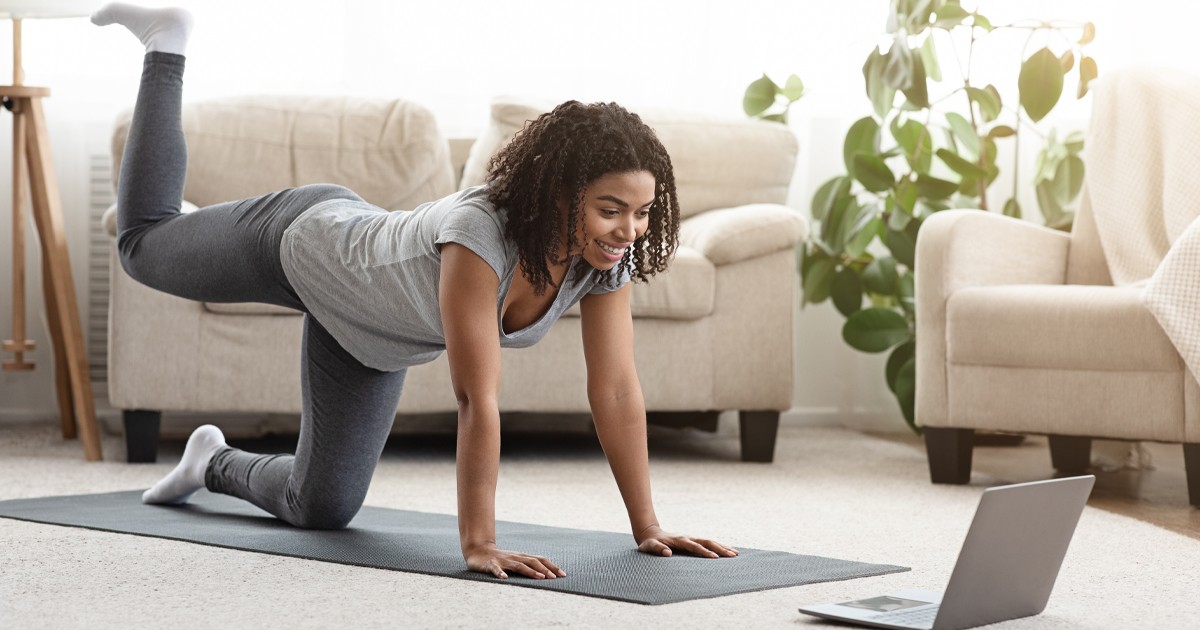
[476, 228]
[609, 281]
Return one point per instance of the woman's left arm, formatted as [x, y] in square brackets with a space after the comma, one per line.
[619, 412]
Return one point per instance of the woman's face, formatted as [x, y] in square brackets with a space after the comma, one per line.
[616, 212]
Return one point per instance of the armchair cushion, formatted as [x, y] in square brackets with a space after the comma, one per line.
[389, 151]
[735, 234]
[1066, 327]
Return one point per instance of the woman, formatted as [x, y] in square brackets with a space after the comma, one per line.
[580, 202]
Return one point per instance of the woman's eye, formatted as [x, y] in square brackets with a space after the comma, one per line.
[643, 214]
[609, 213]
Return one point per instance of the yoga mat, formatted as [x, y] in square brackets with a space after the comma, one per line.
[598, 564]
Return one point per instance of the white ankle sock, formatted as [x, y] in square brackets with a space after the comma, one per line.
[180, 484]
[163, 30]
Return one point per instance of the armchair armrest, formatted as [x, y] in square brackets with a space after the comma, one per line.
[109, 220]
[731, 235]
[962, 248]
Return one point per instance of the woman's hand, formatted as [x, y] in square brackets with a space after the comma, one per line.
[653, 540]
[489, 559]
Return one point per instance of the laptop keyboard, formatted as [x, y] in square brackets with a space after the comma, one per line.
[915, 618]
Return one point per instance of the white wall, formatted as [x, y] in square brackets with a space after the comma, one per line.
[455, 55]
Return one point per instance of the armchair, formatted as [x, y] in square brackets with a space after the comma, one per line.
[1029, 330]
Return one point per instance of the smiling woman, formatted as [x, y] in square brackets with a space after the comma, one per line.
[582, 201]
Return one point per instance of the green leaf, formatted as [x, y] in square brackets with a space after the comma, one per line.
[1068, 180]
[950, 15]
[874, 174]
[929, 58]
[902, 354]
[1047, 201]
[1012, 209]
[793, 89]
[863, 137]
[832, 229]
[981, 22]
[898, 220]
[917, 143]
[905, 388]
[989, 105]
[847, 291]
[917, 91]
[1040, 83]
[827, 195]
[960, 165]
[760, 95]
[818, 280]
[880, 276]
[964, 132]
[1001, 131]
[875, 329]
[1089, 33]
[1074, 142]
[1087, 72]
[779, 118]
[931, 187]
[902, 244]
[857, 244]
[898, 73]
[1067, 59]
[991, 89]
[878, 92]
[905, 196]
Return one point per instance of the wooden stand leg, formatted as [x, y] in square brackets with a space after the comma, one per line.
[47, 213]
[1070, 453]
[949, 452]
[758, 430]
[62, 373]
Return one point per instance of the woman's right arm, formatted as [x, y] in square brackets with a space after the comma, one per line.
[468, 292]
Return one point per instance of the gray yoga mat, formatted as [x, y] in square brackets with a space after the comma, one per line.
[598, 564]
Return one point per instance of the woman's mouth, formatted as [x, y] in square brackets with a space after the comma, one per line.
[612, 253]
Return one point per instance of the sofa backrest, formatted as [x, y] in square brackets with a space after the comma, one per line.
[388, 151]
[718, 162]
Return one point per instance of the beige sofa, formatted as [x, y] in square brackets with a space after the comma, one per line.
[1021, 329]
[713, 334]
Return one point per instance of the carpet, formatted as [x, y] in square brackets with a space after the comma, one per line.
[602, 564]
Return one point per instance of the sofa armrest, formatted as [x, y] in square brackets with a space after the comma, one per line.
[109, 220]
[962, 248]
[731, 235]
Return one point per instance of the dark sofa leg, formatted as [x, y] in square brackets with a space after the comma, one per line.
[1191, 463]
[1070, 453]
[949, 453]
[141, 435]
[758, 430]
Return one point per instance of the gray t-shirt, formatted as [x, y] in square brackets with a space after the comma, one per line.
[371, 276]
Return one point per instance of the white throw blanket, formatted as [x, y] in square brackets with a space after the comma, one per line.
[1143, 182]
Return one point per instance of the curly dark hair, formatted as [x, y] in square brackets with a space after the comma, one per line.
[556, 157]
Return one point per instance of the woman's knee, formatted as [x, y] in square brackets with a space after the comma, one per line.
[327, 192]
[325, 514]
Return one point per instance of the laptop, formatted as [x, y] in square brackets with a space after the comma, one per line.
[1005, 570]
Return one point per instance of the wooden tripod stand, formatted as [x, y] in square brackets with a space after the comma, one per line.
[31, 148]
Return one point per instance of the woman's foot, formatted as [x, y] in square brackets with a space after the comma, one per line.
[188, 477]
[162, 30]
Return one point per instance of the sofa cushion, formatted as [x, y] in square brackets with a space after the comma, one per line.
[1066, 327]
[685, 291]
[718, 162]
[388, 151]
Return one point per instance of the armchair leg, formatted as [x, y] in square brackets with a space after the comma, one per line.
[1191, 463]
[949, 453]
[141, 435]
[758, 430]
[1070, 453]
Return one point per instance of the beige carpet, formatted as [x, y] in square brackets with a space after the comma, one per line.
[830, 492]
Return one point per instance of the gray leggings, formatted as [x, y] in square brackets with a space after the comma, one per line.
[229, 252]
